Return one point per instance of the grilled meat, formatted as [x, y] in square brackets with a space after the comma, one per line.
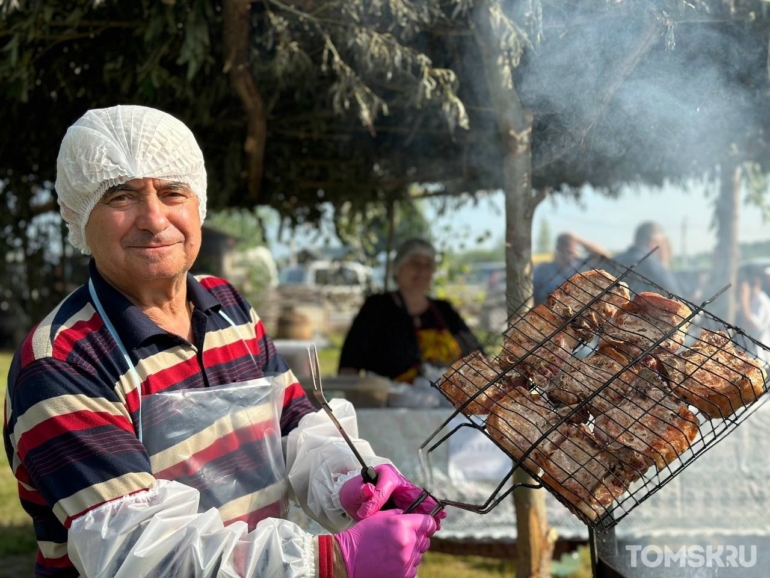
[646, 319]
[578, 291]
[714, 376]
[651, 421]
[473, 374]
[584, 473]
[582, 377]
[525, 340]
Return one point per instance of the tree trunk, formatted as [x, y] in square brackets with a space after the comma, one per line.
[534, 542]
[235, 40]
[389, 245]
[726, 218]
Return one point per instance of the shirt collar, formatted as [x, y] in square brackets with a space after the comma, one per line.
[132, 325]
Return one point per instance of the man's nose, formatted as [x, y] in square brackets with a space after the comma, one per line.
[153, 214]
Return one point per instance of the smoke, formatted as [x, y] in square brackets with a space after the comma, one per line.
[616, 100]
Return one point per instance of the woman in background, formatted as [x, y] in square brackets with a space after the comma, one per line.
[395, 334]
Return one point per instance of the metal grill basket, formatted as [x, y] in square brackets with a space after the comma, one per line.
[606, 392]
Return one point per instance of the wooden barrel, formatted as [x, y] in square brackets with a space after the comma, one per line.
[293, 325]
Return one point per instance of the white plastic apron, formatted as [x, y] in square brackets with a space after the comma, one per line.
[224, 441]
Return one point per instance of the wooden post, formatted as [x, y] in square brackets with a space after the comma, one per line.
[389, 245]
[726, 257]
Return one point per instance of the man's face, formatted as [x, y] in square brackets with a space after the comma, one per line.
[664, 248]
[568, 251]
[146, 230]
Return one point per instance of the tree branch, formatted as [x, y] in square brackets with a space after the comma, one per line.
[539, 196]
[625, 68]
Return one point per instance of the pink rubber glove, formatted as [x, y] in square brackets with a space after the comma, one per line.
[388, 544]
[361, 500]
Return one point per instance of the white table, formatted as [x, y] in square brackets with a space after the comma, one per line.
[724, 491]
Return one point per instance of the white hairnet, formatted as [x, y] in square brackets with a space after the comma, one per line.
[109, 146]
[411, 247]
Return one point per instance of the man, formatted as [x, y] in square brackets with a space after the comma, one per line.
[649, 236]
[548, 276]
[115, 488]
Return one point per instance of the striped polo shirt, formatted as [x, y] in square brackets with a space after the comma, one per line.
[71, 411]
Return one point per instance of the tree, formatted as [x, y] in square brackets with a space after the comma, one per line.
[247, 225]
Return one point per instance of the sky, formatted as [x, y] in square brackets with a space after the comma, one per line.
[685, 215]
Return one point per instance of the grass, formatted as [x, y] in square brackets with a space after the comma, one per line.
[11, 512]
[17, 539]
[329, 357]
[435, 565]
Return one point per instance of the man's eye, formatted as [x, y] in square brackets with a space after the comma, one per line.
[177, 193]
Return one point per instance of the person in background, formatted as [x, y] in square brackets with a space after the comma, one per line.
[395, 333]
[566, 262]
[755, 309]
[655, 268]
[117, 491]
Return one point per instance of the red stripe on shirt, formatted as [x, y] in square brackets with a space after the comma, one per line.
[292, 392]
[259, 330]
[23, 475]
[61, 562]
[217, 450]
[164, 378]
[67, 339]
[31, 496]
[225, 354]
[67, 423]
[209, 282]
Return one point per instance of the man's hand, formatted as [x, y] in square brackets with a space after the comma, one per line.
[361, 500]
[386, 545]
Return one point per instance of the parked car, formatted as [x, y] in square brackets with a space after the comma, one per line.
[329, 292]
[328, 276]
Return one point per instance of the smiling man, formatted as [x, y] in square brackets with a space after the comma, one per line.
[145, 236]
[146, 415]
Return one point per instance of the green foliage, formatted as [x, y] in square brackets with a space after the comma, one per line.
[757, 185]
[366, 231]
[247, 225]
[367, 99]
[60, 58]
[17, 540]
[250, 271]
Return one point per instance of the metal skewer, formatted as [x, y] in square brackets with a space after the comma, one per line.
[368, 473]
